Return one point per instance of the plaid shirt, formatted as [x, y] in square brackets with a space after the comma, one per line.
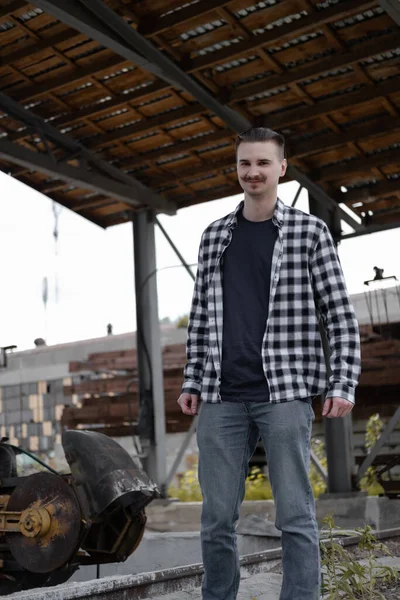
[307, 284]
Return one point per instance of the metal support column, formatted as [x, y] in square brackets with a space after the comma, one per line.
[338, 432]
[151, 425]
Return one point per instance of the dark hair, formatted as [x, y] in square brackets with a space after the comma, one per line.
[261, 134]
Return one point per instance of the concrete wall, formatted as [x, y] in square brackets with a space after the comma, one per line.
[31, 388]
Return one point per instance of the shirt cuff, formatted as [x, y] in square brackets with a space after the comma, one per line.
[341, 390]
[191, 387]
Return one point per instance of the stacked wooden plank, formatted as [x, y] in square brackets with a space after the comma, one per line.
[108, 396]
[108, 399]
[380, 359]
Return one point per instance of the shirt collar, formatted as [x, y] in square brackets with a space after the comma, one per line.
[277, 217]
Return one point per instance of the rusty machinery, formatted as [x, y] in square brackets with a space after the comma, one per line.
[51, 524]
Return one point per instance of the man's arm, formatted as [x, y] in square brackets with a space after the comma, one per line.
[338, 317]
[197, 341]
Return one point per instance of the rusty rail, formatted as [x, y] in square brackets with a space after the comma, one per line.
[167, 581]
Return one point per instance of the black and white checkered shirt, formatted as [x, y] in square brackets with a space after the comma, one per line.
[307, 282]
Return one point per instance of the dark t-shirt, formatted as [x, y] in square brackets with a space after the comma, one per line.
[246, 269]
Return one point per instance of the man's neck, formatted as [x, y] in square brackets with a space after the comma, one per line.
[259, 209]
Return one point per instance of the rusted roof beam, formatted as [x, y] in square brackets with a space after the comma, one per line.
[279, 34]
[11, 8]
[153, 24]
[357, 165]
[392, 7]
[103, 24]
[57, 83]
[369, 193]
[287, 118]
[178, 148]
[86, 179]
[102, 177]
[301, 149]
[336, 103]
[39, 46]
[372, 229]
[335, 140]
[337, 61]
[151, 124]
[96, 109]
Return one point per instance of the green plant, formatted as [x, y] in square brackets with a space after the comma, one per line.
[182, 322]
[373, 432]
[343, 577]
[257, 486]
[317, 483]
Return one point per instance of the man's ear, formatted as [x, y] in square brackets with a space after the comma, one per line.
[284, 167]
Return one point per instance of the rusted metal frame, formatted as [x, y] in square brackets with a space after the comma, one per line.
[148, 124]
[296, 197]
[57, 83]
[357, 165]
[377, 190]
[331, 63]
[102, 23]
[43, 44]
[209, 85]
[329, 105]
[12, 7]
[97, 24]
[60, 199]
[360, 72]
[275, 121]
[336, 61]
[299, 27]
[392, 7]
[177, 148]
[97, 109]
[318, 144]
[86, 179]
[133, 191]
[162, 173]
[379, 444]
[153, 24]
[102, 66]
[289, 117]
[88, 18]
[57, 100]
[332, 140]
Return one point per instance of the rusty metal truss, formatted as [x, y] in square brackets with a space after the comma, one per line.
[112, 106]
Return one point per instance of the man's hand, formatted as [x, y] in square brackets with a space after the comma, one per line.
[336, 407]
[189, 403]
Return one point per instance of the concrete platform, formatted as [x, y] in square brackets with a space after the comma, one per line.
[348, 511]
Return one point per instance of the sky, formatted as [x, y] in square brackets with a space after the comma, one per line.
[94, 267]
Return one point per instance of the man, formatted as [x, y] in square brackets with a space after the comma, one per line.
[266, 274]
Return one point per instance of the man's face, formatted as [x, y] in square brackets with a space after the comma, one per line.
[259, 167]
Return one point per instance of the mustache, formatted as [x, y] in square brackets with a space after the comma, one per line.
[251, 180]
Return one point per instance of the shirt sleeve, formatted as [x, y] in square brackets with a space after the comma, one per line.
[197, 340]
[338, 318]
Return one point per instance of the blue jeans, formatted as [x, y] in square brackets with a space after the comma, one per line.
[227, 435]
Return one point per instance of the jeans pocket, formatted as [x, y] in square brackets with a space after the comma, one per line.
[312, 413]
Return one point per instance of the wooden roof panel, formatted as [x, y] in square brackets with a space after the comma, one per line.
[314, 70]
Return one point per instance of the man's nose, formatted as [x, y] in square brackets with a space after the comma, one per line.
[253, 173]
